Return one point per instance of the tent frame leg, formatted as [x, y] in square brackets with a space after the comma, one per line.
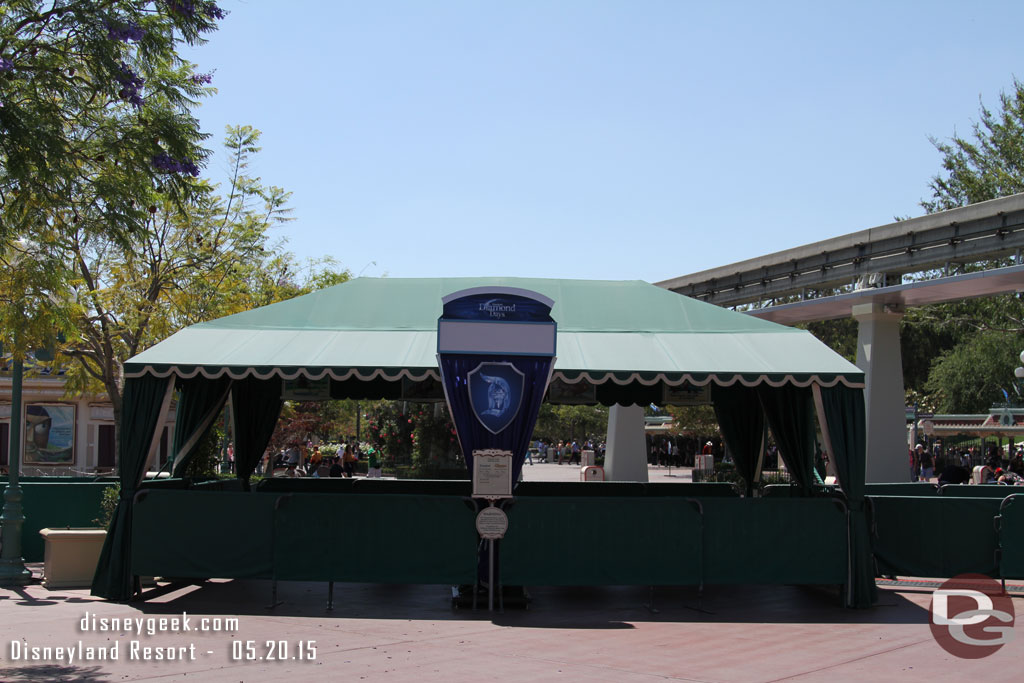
[650, 601]
[274, 602]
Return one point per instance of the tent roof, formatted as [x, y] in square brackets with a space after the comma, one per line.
[620, 331]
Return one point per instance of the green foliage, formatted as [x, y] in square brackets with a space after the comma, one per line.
[301, 421]
[108, 505]
[988, 166]
[839, 335]
[205, 464]
[96, 111]
[698, 421]
[958, 356]
[561, 422]
[31, 315]
[435, 445]
[389, 431]
[973, 376]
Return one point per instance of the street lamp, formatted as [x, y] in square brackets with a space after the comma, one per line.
[12, 565]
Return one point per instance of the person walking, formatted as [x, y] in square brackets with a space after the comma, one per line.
[348, 461]
[924, 458]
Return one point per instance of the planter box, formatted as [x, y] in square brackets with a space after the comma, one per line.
[71, 556]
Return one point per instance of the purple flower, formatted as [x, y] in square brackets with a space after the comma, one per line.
[188, 8]
[214, 12]
[165, 163]
[6, 64]
[131, 84]
[124, 32]
[202, 79]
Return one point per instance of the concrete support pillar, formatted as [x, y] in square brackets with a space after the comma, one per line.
[626, 455]
[878, 355]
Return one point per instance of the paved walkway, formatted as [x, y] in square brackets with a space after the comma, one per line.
[411, 633]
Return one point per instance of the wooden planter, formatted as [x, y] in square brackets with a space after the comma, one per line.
[71, 556]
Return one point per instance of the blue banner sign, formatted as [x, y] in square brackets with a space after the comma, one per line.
[496, 347]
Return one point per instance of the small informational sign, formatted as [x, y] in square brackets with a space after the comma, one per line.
[491, 523]
[302, 389]
[687, 395]
[492, 474]
[579, 393]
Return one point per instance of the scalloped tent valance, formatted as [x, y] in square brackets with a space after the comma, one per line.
[614, 333]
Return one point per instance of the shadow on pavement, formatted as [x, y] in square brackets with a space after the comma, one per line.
[602, 607]
[53, 672]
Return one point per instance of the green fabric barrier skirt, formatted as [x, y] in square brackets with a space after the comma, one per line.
[936, 537]
[674, 541]
[198, 534]
[979, 490]
[373, 538]
[775, 541]
[57, 506]
[305, 485]
[427, 487]
[903, 489]
[709, 489]
[586, 541]
[219, 485]
[607, 489]
[1011, 537]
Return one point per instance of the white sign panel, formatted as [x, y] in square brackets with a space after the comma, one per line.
[492, 473]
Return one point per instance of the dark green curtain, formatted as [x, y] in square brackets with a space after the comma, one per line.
[144, 401]
[200, 401]
[739, 415]
[843, 412]
[255, 407]
[790, 413]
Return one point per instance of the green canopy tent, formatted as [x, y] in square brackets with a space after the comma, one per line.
[629, 342]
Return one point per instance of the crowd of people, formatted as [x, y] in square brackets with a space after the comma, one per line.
[967, 465]
[306, 460]
[568, 451]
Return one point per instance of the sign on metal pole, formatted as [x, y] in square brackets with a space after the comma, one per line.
[491, 523]
[492, 474]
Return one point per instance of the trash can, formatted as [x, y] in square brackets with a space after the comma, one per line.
[591, 473]
[703, 467]
[587, 459]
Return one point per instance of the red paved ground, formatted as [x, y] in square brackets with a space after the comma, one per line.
[410, 633]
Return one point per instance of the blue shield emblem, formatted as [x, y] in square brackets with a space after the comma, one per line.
[495, 393]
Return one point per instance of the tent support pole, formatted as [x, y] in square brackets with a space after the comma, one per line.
[650, 601]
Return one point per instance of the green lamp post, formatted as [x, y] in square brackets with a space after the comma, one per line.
[12, 565]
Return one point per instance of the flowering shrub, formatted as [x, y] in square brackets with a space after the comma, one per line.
[436, 445]
[417, 437]
[390, 433]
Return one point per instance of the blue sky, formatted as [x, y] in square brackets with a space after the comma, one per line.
[635, 139]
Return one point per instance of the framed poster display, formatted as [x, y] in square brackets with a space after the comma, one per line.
[49, 434]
